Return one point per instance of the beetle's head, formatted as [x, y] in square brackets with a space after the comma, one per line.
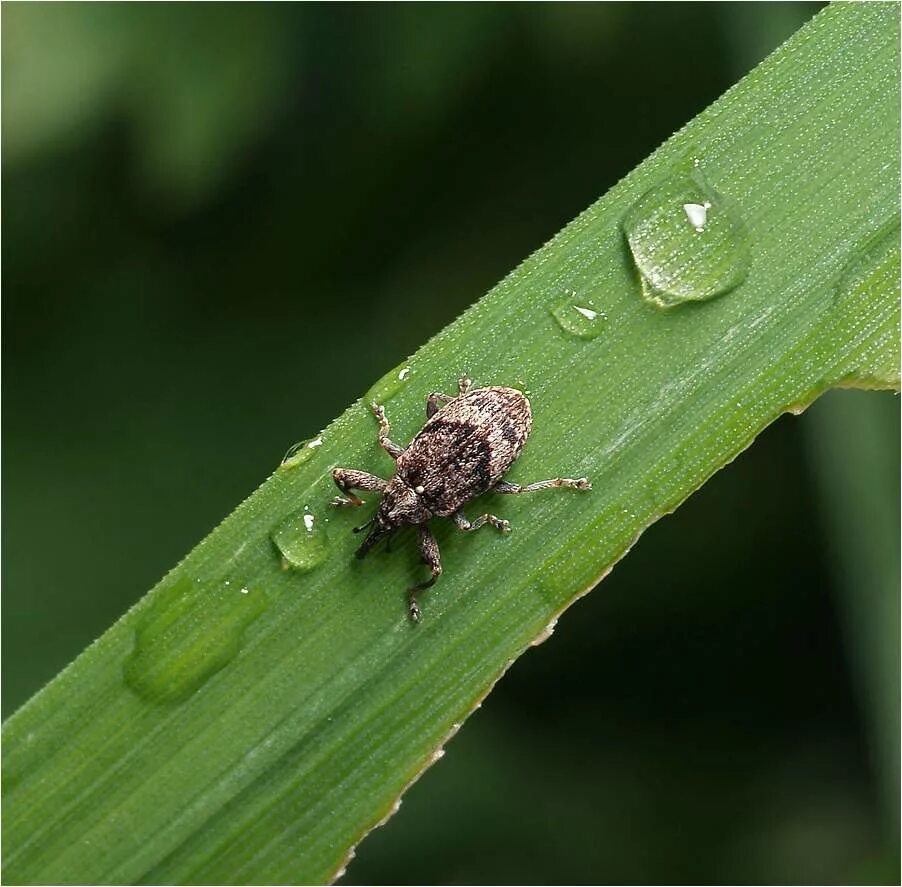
[400, 506]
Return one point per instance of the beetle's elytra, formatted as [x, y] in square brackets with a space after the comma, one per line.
[466, 445]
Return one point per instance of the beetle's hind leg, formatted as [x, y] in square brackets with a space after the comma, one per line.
[347, 479]
[431, 556]
[460, 519]
[581, 483]
[389, 446]
[437, 400]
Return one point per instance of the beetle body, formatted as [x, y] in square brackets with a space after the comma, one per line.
[465, 448]
[462, 451]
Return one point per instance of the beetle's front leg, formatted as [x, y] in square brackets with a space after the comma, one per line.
[348, 478]
[431, 556]
[460, 519]
[581, 483]
[389, 446]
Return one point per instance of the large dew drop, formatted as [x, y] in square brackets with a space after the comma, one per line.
[688, 242]
[301, 540]
[188, 632]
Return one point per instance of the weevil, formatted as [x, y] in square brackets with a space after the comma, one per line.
[468, 442]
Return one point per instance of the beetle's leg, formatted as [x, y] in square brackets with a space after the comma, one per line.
[430, 554]
[435, 402]
[347, 478]
[581, 483]
[460, 519]
[389, 446]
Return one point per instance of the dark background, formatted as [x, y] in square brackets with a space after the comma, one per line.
[223, 222]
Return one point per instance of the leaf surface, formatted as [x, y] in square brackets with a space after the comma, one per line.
[247, 723]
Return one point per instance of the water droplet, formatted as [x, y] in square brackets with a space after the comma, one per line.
[872, 265]
[578, 317]
[389, 385]
[301, 541]
[688, 242]
[300, 452]
[188, 632]
[871, 270]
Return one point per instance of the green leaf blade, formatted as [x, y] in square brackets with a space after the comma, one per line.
[285, 755]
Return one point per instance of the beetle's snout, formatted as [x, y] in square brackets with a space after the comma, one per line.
[378, 532]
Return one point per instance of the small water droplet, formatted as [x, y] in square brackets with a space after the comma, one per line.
[300, 452]
[301, 541]
[871, 268]
[389, 385]
[873, 264]
[579, 318]
[188, 632]
[688, 242]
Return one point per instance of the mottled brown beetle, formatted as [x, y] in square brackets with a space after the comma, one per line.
[462, 451]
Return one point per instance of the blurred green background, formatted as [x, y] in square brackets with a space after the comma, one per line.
[223, 222]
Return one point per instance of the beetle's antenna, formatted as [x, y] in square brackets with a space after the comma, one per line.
[378, 532]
